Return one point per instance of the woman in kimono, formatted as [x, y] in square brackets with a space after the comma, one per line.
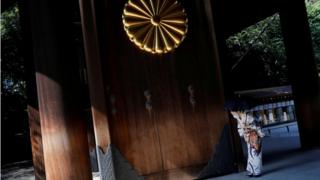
[249, 127]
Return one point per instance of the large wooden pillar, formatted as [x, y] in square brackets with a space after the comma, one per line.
[32, 100]
[63, 124]
[302, 70]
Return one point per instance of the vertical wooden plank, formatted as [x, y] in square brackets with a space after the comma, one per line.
[63, 123]
[132, 127]
[168, 114]
[36, 143]
[302, 70]
[95, 78]
[188, 134]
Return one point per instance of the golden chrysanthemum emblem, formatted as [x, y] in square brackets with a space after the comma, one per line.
[156, 26]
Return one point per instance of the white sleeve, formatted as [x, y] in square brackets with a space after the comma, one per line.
[239, 123]
[260, 133]
[240, 129]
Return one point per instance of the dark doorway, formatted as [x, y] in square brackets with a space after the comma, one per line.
[257, 68]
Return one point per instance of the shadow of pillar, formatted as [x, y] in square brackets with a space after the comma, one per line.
[113, 166]
[222, 160]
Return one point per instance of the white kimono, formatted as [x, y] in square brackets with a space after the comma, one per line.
[249, 128]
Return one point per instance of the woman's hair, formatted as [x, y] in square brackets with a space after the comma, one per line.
[239, 103]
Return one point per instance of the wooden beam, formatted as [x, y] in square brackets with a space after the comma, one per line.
[232, 16]
[302, 70]
[95, 78]
[63, 124]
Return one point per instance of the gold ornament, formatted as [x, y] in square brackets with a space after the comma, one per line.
[156, 26]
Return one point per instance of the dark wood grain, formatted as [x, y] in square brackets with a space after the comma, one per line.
[96, 86]
[173, 134]
[36, 143]
[62, 119]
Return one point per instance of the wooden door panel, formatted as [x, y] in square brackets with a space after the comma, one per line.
[174, 133]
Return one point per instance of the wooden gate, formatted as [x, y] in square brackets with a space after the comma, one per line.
[165, 111]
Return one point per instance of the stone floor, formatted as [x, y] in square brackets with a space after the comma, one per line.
[293, 166]
[20, 170]
[24, 171]
[282, 159]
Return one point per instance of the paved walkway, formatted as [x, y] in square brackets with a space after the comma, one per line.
[283, 160]
[296, 166]
[20, 170]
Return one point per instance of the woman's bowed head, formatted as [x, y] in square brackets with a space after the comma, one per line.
[240, 103]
